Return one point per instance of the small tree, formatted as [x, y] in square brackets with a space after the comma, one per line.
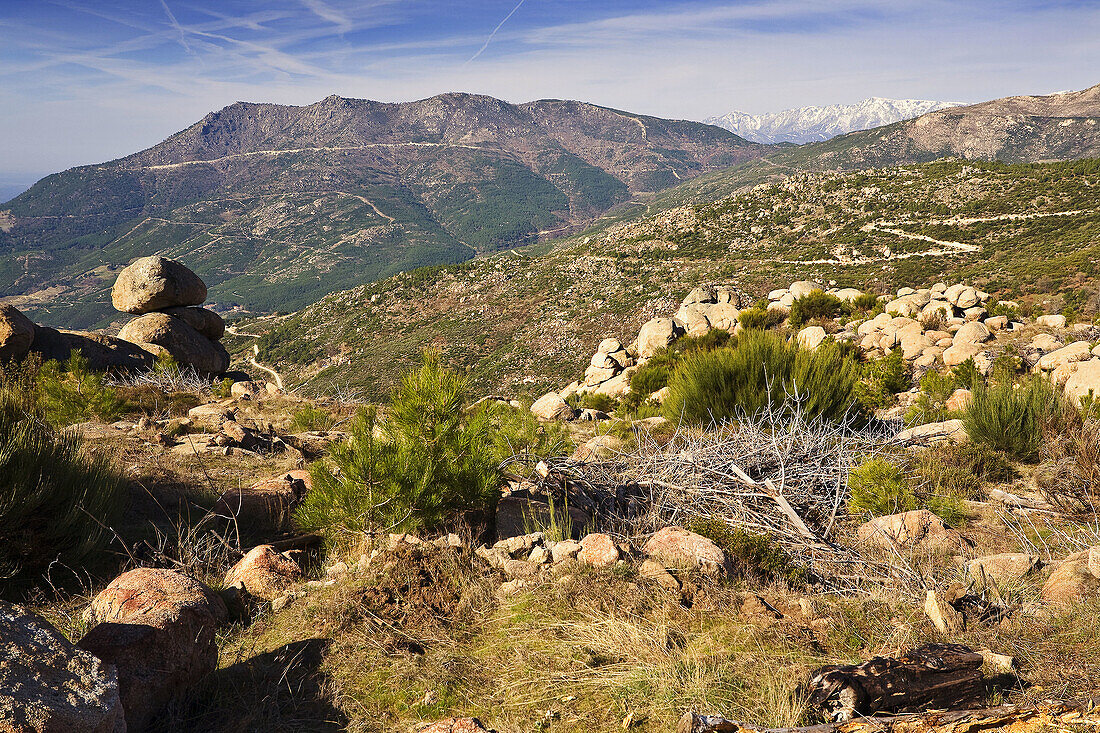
[425, 462]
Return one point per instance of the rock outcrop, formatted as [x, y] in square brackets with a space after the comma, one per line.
[48, 684]
[16, 334]
[164, 293]
[157, 627]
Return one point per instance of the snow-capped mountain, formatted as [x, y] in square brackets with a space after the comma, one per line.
[810, 124]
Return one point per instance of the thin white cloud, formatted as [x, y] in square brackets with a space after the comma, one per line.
[495, 30]
[326, 12]
[179, 29]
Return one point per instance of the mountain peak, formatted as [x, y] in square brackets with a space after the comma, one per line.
[814, 123]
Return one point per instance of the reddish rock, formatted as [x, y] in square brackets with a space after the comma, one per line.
[598, 550]
[157, 627]
[48, 684]
[268, 502]
[918, 529]
[264, 572]
[1072, 582]
[676, 547]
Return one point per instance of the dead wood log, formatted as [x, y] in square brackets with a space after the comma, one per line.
[1018, 719]
[932, 677]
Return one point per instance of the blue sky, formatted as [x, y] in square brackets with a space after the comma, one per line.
[84, 81]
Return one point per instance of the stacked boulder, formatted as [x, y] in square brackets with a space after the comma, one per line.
[783, 298]
[166, 296]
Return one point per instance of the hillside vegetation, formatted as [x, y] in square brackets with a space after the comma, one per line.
[277, 206]
[526, 321]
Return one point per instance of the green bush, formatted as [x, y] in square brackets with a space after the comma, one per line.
[596, 401]
[760, 318]
[959, 469]
[309, 418]
[865, 302]
[428, 461]
[650, 377]
[754, 555]
[74, 393]
[1014, 419]
[56, 500]
[881, 379]
[815, 305]
[878, 487]
[715, 338]
[764, 372]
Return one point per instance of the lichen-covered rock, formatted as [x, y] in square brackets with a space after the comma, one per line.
[598, 550]
[1074, 581]
[656, 334]
[265, 572]
[157, 627]
[552, 406]
[154, 283]
[919, 529]
[186, 345]
[676, 547]
[16, 333]
[48, 684]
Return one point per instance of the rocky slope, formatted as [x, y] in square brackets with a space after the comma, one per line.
[814, 124]
[276, 206]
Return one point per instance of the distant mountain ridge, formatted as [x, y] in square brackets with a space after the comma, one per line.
[275, 206]
[814, 124]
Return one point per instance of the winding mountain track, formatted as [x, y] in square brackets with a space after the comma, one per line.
[944, 247]
[292, 151]
[256, 352]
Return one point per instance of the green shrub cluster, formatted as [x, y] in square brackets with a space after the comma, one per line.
[1014, 418]
[754, 555]
[64, 394]
[816, 305]
[309, 418]
[866, 302]
[763, 372]
[760, 318]
[879, 487]
[881, 379]
[426, 462]
[56, 500]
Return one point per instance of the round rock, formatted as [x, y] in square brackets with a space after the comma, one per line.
[154, 283]
[186, 345]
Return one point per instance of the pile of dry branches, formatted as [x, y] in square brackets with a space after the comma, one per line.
[776, 475]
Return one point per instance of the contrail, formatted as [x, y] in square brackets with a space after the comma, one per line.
[490, 38]
[177, 26]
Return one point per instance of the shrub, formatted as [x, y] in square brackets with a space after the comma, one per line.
[878, 487]
[74, 393]
[865, 302]
[596, 401]
[959, 469]
[308, 418]
[881, 379]
[56, 501]
[715, 338]
[427, 462]
[754, 555]
[817, 305]
[760, 318]
[764, 372]
[1014, 419]
[650, 377]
